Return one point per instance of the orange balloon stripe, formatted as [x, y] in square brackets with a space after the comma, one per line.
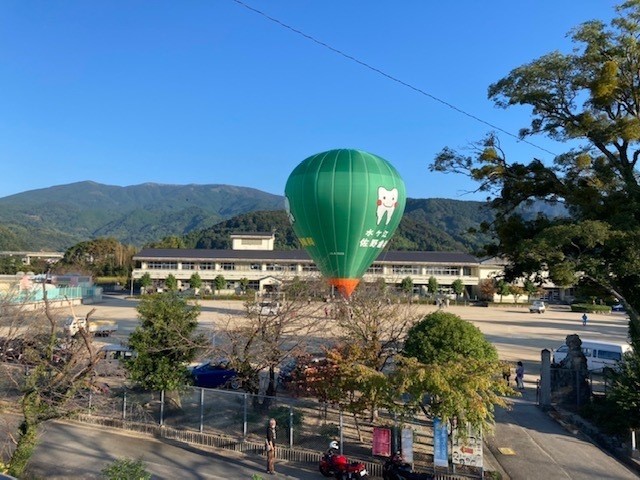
[345, 286]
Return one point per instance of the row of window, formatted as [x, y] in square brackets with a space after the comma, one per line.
[447, 271]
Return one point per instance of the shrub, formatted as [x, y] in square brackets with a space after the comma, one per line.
[590, 308]
[126, 469]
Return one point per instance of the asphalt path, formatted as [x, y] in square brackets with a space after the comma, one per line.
[527, 443]
[74, 451]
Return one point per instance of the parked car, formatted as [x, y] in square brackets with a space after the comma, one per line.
[215, 375]
[618, 307]
[537, 306]
[599, 354]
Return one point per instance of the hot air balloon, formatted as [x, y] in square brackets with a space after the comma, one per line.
[344, 206]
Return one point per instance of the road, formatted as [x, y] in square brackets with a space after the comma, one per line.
[527, 443]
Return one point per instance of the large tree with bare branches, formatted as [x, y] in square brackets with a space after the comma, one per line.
[46, 371]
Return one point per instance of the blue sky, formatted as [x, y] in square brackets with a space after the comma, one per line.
[209, 92]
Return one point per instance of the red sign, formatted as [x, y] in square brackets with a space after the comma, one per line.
[381, 442]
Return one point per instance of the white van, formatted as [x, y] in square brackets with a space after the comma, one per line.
[599, 354]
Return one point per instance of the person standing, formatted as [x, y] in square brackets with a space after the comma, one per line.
[271, 446]
[520, 376]
[584, 319]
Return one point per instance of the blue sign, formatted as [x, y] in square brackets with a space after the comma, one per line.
[440, 443]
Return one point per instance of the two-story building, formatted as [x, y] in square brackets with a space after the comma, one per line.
[252, 258]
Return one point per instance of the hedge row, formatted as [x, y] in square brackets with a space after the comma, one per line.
[590, 308]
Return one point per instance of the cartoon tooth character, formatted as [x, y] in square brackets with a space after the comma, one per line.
[387, 202]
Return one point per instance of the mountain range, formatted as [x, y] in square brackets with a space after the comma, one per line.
[58, 217]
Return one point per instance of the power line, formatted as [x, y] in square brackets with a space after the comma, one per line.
[390, 77]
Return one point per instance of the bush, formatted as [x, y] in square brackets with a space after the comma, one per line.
[126, 469]
[590, 308]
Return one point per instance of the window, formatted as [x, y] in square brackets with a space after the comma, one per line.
[375, 269]
[274, 267]
[443, 271]
[251, 241]
[587, 352]
[309, 267]
[406, 269]
[466, 271]
[162, 265]
[256, 266]
[609, 355]
[292, 267]
[227, 266]
[207, 266]
[188, 266]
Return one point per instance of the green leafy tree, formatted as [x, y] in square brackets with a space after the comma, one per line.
[441, 336]
[407, 285]
[589, 97]
[195, 282]
[458, 287]
[622, 397]
[145, 282]
[220, 282]
[165, 341]
[503, 288]
[244, 283]
[171, 283]
[449, 360]
[432, 285]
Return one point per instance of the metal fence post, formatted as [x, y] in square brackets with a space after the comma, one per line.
[124, 406]
[201, 410]
[290, 426]
[341, 428]
[161, 407]
[244, 417]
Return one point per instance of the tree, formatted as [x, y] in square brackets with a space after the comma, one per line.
[220, 282]
[407, 285]
[145, 282]
[244, 283]
[458, 287]
[441, 337]
[165, 342]
[487, 288]
[589, 97]
[270, 336]
[517, 291]
[101, 257]
[52, 374]
[372, 328]
[450, 361]
[432, 285]
[195, 282]
[171, 283]
[503, 288]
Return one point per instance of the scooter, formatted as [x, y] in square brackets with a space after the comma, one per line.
[395, 468]
[338, 466]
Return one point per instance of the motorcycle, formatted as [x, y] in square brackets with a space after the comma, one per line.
[338, 466]
[395, 468]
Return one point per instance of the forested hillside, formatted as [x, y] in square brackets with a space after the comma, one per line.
[430, 224]
[58, 217]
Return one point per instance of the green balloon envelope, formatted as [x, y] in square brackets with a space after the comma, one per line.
[344, 206]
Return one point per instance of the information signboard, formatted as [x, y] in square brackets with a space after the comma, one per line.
[440, 443]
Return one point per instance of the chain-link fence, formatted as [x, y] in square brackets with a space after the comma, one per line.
[301, 423]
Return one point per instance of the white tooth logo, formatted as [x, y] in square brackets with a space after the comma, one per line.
[387, 202]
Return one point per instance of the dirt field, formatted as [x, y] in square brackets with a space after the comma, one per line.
[516, 333]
